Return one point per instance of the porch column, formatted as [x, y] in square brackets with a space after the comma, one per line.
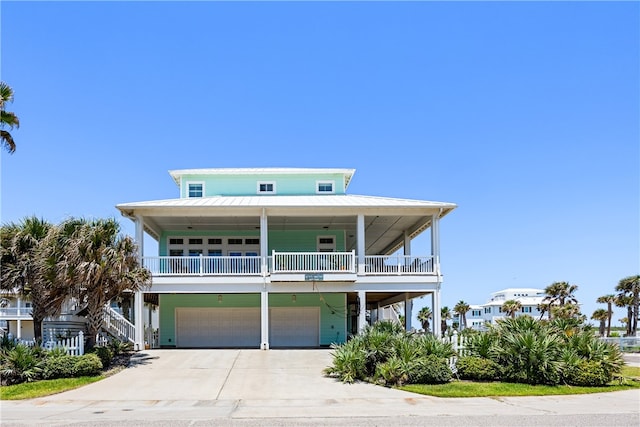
[360, 244]
[264, 320]
[362, 310]
[19, 322]
[435, 307]
[435, 243]
[407, 243]
[138, 322]
[408, 312]
[139, 222]
[264, 244]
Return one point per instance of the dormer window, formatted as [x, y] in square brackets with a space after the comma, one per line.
[195, 189]
[325, 187]
[266, 187]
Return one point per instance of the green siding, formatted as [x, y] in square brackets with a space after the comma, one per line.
[246, 185]
[283, 241]
[332, 310]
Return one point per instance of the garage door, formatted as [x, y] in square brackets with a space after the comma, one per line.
[294, 327]
[217, 327]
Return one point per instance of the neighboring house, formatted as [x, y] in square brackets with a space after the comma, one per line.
[491, 311]
[280, 257]
[15, 316]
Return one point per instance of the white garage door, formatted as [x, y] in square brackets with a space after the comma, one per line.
[294, 327]
[217, 327]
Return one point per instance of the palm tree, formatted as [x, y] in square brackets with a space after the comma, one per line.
[625, 301]
[23, 255]
[445, 314]
[102, 265]
[461, 309]
[609, 299]
[602, 316]
[424, 316]
[559, 294]
[511, 307]
[7, 118]
[630, 288]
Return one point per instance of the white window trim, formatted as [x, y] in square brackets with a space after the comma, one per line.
[333, 187]
[322, 247]
[273, 183]
[188, 183]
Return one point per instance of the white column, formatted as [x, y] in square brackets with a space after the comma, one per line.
[362, 310]
[18, 334]
[407, 243]
[435, 243]
[408, 312]
[138, 322]
[140, 237]
[264, 244]
[360, 244]
[435, 307]
[264, 320]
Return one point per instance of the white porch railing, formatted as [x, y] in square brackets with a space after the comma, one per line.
[15, 312]
[289, 262]
[313, 262]
[398, 264]
[203, 265]
[117, 325]
[459, 344]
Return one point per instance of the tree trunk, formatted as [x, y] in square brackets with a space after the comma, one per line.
[609, 316]
[629, 319]
[94, 321]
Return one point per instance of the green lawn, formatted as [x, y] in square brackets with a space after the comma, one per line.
[457, 388]
[44, 388]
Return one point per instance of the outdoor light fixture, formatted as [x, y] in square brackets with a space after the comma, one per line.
[293, 298]
[219, 298]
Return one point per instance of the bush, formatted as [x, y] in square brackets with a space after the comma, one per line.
[87, 365]
[59, 367]
[477, 368]
[20, 364]
[430, 369]
[588, 373]
[104, 354]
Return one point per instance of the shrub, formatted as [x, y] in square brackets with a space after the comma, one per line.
[393, 372]
[87, 365]
[430, 369]
[120, 347]
[588, 373]
[349, 362]
[104, 353]
[62, 366]
[477, 368]
[20, 364]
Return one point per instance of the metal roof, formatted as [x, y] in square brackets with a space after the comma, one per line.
[348, 173]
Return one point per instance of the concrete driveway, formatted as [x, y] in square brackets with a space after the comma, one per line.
[287, 388]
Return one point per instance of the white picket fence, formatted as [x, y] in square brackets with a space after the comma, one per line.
[459, 344]
[74, 346]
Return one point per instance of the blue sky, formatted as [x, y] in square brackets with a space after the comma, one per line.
[525, 114]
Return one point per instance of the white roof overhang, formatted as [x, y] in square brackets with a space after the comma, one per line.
[386, 219]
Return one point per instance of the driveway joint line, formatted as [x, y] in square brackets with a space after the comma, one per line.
[228, 374]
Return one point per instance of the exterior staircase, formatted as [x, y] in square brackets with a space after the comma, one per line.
[117, 326]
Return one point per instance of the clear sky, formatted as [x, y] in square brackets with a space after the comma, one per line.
[525, 114]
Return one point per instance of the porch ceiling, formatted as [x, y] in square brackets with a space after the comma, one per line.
[386, 220]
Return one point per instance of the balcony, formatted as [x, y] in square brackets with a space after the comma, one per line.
[292, 263]
[15, 313]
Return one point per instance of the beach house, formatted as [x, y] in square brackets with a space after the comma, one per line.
[279, 257]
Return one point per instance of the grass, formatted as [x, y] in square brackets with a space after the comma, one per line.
[457, 388]
[44, 388]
